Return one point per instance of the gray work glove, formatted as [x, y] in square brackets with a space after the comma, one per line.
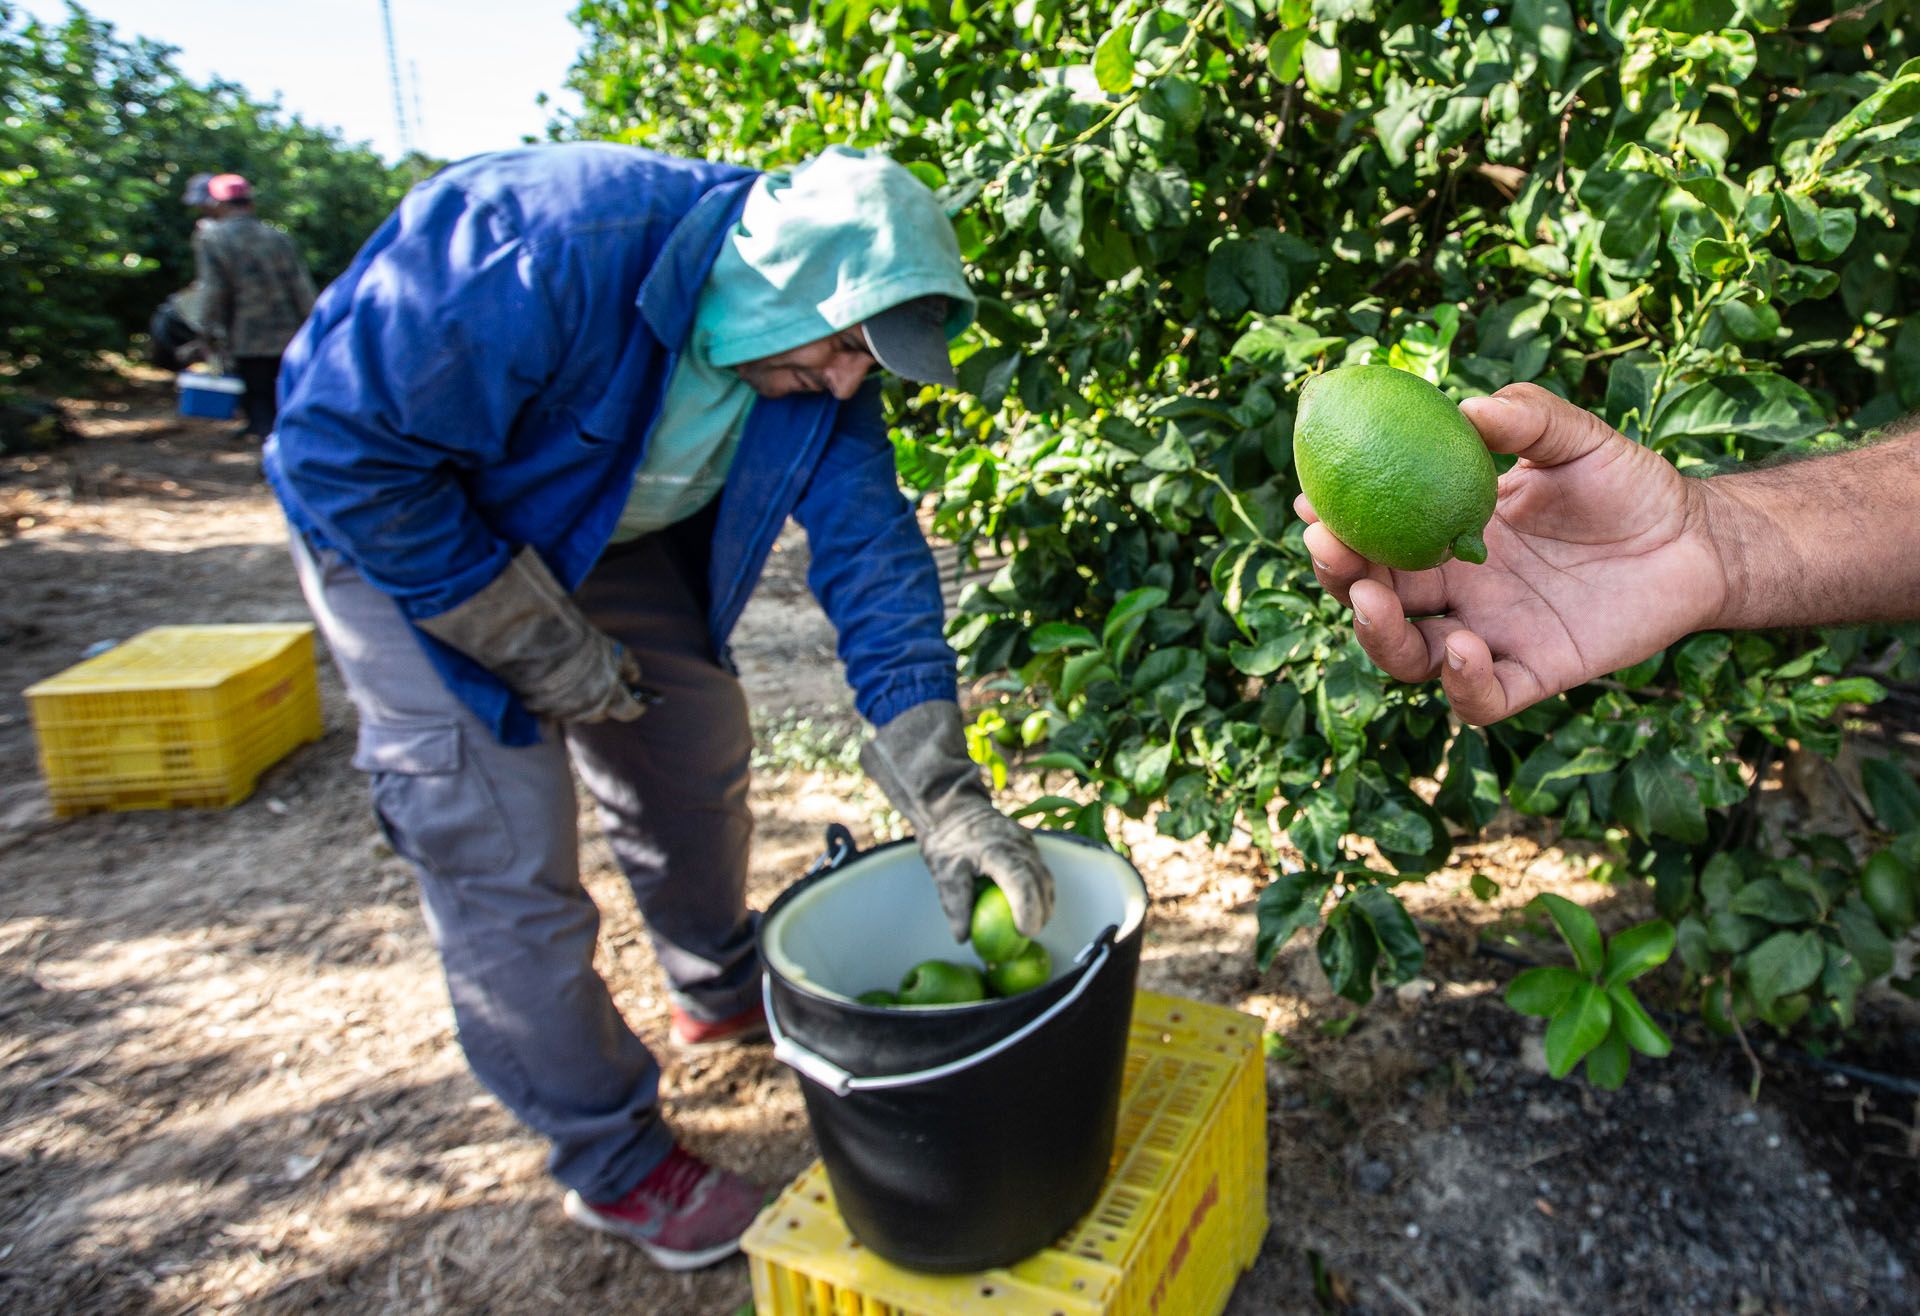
[920, 760]
[525, 630]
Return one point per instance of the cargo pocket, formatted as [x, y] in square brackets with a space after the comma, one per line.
[433, 801]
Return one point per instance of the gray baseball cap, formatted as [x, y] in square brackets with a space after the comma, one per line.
[911, 340]
[196, 193]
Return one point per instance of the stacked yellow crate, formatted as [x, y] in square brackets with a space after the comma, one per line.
[1181, 1215]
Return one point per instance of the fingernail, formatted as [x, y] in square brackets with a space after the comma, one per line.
[1455, 661]
[1318, 565]
[1360, 618]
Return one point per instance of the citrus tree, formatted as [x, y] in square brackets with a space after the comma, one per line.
[98, 136]
[1693, 217]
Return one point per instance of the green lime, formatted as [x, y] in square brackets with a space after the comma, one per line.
[1889, 891]
[1031, 968]
[994, 936]
[878, 996]
[1392, 467]
[941, 982]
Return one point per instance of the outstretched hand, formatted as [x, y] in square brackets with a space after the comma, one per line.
[1597, 556]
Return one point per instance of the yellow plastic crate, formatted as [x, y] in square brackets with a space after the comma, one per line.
[176, 717]
[1181, 1215]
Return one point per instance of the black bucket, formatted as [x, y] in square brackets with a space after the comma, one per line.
[961, 1137]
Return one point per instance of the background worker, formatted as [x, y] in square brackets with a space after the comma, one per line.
[538, 442]
[253, 290]
[1600, 554]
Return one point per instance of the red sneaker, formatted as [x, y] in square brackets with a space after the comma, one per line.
[690, 1034]
[684, 1215]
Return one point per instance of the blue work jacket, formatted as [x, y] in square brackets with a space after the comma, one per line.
[486, 376]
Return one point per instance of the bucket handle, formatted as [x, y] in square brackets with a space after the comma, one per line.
[840, 847]
[838, 1081]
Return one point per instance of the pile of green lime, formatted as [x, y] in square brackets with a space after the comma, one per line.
[1392, 467]
[1013, 963]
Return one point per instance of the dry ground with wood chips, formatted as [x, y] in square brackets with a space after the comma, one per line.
[231, 1081]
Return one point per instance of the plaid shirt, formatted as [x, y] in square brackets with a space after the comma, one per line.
[254, 288]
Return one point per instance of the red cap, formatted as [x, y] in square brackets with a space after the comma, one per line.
[229, 187]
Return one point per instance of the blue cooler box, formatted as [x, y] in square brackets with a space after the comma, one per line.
[213, 397]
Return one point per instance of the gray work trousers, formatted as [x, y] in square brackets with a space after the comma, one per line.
[491, 834]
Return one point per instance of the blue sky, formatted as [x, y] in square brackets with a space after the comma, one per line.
[479, 63]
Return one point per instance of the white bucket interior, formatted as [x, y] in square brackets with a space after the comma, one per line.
[863, 926]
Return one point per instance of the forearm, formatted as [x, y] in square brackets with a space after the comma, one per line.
[1829, 540]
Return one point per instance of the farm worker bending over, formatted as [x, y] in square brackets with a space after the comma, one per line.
[537, 443]
[1600, 554]
[252, 289]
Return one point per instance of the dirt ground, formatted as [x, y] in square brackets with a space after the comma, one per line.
[231, 1081]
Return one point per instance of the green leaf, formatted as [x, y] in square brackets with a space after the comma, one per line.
[1757, 407]
[1268, 656]
[1840, 982]
[1863, 938]
[1706, 142]
[1608, 1063]
[1700, 661]
[1316, 830]
[1082, 670]
[1731, 933]
[1546, 26]
[1243, 274]
[1060, 759]
[1146, 771]
[1401, 951]
[1543, 991]
[1590, 760]
[1692, 17]
[1020, 194]
[1283, 53]
[1784, 963]
[1322, 67]
[1655, 797]
[1483, 887]
[988, 374]
[1471, 794]
[1046, 806]
[1637, 950]
[1580, 1026]
[1774, 901]
[1893, 794]
[1062, 218]
[1113, 60]
[1635, 1026]
[1719, 879]
[1716, 258]
[1818, 233]
[1393, 825]
[1671, 868]
[1348, 952]
[1052, 636]
[1752, 322]
[1578, 930]
[1290, 902]
[1128, 613]
[1690, 940]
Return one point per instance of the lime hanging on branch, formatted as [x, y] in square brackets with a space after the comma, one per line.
[1392, 467]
